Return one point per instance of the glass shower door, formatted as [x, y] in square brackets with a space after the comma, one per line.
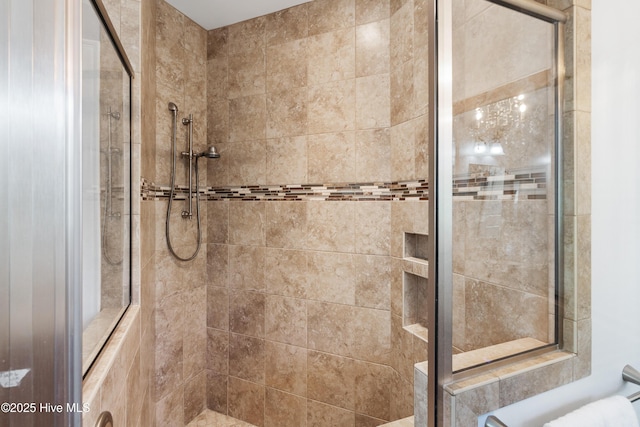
[504, 180]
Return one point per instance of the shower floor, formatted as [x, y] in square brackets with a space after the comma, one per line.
[209, 418]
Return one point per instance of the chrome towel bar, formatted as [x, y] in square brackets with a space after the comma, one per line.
[629, 374]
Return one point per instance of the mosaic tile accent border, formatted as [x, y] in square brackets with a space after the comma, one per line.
[512, 185]
[528, 185]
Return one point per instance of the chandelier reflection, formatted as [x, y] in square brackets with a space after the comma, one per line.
[494, 121]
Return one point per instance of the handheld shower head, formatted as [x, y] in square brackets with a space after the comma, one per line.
[173, 107]
[211, 153]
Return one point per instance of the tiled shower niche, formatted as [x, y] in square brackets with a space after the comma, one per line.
[414, 284]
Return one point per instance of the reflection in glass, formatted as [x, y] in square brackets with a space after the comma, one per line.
[503, 184]
[106, 189]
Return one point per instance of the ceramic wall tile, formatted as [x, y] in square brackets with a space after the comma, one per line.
[287, 368]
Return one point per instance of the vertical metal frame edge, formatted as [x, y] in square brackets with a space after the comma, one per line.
[440, 292]
[73, 86]
[559, 28]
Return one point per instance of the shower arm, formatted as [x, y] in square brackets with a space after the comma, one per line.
[189, 155]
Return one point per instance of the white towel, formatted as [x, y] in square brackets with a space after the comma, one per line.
[615, 411]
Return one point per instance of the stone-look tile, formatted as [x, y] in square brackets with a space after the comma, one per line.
[218, 308]
[194, 332]
[365, 421]
[485, 303]
[331, 107]
[287, 25]
[286, 320]
[514, 234]
[169, 330]
[330, 226]
[195, 38]
[217, 391]
[373, 151]
[530, 383]
[401, 30]
[331, 157]
[247, 34]
[330, 15]
[360, 333]
[286, 224]
[331, 379]
[174, 274]
[401, 358]
[402, 399]
[217, 40]
[169, 410]
[195, 396]
[247, 313]
[403, 144]
[246, 162]
[169, 33]
[247, 72]
[372, 49]
[246, 401]
[287, 273]
[217, 135]
[372, 102]
[583, 262]
[287, 368]
[287, 66]
[247, 118]
[582, 167]
[412, 217]
[373, 281]
[458, 313]
[372, 228]
[217, 78]
[332, 277]
[284, 409]
[287, 160]
[286, 113]
[401, 83]
[218, 265]
[331, 56]
[217, 351]
[372, 10]
[396, 286]
[420, 383]
[247, 223]
[321, 415]
[372, 386]
[246, 358]
[582, 363]
[475, 402]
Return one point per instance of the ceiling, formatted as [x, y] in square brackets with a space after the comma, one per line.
[211, 14]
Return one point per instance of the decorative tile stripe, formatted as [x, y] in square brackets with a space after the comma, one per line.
[406, 190]
[512, 185]
[528, 185]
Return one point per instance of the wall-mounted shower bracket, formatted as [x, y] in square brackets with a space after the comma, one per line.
[189, 155]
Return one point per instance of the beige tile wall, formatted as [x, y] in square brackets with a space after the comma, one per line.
[305, 298]
[179, 305]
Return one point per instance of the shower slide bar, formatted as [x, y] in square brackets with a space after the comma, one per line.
[629, 374]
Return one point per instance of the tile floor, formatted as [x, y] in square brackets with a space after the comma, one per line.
[209, 418]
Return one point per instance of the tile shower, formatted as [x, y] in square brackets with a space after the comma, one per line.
[292, 313]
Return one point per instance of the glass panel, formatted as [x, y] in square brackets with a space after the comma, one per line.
[106, 189]
[504, 129]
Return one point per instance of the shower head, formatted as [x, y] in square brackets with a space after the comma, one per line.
[173, 107]
[211, 153]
